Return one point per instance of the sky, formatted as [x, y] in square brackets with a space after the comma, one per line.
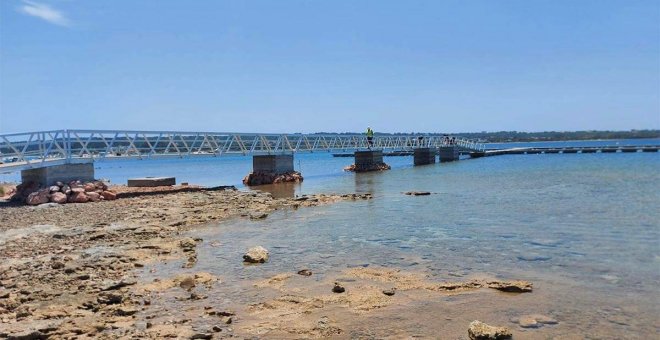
[329, 66]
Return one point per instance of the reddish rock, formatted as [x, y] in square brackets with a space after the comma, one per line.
[89, 187]
[260, 178]
[38, 197]
[109, 195]
[77, 190]
[78, 197]
[93, 196]
[58, 197]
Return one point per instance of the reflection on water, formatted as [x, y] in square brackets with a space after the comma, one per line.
[280, 190]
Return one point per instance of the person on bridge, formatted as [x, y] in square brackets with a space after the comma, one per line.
[370, 137]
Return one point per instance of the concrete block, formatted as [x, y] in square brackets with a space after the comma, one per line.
[151, 181]
[49, 175]
[276, 164]
[448, 153]
[423, 156]
[365, 159]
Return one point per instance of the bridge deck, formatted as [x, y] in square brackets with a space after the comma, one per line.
[45, 148]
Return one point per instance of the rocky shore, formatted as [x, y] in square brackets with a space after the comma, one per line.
[69, 271]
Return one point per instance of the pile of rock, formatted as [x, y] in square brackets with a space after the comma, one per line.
[260, 178]
[366, 168]
[73, 192]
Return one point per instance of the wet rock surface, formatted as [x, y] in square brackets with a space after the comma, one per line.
[256, 254]
[481, 331]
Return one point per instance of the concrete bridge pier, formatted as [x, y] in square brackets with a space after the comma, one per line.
[424, 156]
[371, 160]
[65, 173]
[268, 169]
[276, 164]
[449, 153]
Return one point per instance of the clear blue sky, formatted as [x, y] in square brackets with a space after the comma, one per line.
[308, 66]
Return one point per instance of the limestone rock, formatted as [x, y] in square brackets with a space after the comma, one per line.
[256, 254]
[38, 197]
[511, 286]
[534, 321]
[187, 283]
[481, 331]
[54, 188]
[188, 244]
[58, 197]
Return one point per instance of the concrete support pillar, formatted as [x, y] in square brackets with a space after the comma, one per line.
[274, 164]
[269, 169]
[49, 175]
[371, 160]
[449, 153]
[423, 156]
[367, 159]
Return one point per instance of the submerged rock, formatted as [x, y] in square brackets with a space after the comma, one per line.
[534, 321]
[418, 193]
[305, 272]
[256, 254]
[481, 331]
[511, 286]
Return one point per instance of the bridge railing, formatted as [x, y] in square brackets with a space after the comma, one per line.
[35, 149]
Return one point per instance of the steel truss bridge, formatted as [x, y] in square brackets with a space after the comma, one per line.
[21, 151]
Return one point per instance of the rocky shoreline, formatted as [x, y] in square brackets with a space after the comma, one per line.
[69, 270]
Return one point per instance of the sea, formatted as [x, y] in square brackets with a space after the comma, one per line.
[584, 228]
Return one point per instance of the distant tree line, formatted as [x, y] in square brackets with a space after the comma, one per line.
[517, 136]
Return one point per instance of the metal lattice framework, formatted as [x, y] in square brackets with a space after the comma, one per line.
[21, 151]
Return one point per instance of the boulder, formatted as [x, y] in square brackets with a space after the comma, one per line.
[38, 197]
[54, 188]
[93, 196]
[481, 331]
[256, 254]
[58, 197]
[66, 189]
[77, 190]
[78, 197]
[109, 195]
[89, 187]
